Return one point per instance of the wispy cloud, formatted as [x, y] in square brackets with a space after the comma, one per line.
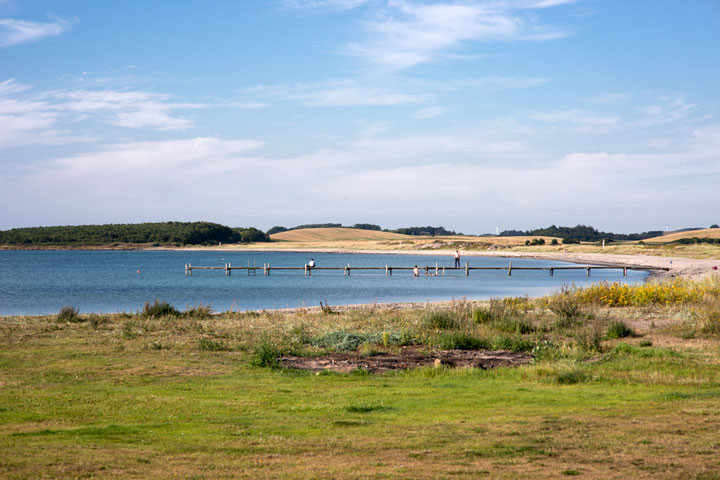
[577, 117]
[44, 117]
[132, 109]
[15, 32]
[666, 109]
[430, 112]
[346, 93]
[405, 34]
[338, 5]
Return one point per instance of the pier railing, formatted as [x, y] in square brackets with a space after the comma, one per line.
[425, 270]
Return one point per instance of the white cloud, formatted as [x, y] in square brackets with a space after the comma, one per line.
[405, 33]
[28, 117]
[14, 32]
[430, 112]
[458, 181]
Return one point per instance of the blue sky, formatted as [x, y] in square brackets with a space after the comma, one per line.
[473, 115]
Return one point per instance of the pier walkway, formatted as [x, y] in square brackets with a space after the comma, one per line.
[426, 270]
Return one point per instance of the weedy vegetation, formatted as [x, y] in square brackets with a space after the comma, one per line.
[624, 383]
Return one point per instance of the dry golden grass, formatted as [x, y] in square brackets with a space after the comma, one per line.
[334, 234]
[672, 237]
[349, 238]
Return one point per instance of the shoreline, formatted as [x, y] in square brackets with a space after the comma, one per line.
[680, 267]
[683, 267]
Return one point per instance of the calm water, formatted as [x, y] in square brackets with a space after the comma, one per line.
[41, 282]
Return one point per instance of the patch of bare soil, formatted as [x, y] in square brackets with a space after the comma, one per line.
[342, 362]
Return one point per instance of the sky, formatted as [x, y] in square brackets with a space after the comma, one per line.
[470, 114]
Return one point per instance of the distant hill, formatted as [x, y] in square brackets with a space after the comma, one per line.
[679, 235]
[166, 233]
[336, 233]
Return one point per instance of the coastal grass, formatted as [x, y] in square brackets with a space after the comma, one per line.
[183, 396]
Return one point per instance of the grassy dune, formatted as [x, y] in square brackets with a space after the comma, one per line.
[629, 392]
[335, 234]
[673, 237]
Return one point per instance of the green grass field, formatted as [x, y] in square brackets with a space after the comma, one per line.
[178, 396]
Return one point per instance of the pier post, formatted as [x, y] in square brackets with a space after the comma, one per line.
[588, 271]
[443, 271]
[624, 271]
[387, 272]
[510, 270]
[436, 269]
[552, 270]
[186, 269]
[426, 270]
[306, 269]
[190, 269]
[391, 271]
[229, 269]
[467, 269]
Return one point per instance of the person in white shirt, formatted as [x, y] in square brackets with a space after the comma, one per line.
[310, 266]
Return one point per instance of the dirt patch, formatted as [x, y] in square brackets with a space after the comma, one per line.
[341, 362]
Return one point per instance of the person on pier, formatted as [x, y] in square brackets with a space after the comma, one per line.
[310, 266]
[457, 258]
[416, 272]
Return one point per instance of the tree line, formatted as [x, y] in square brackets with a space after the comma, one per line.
[583, 233]
[165, 233]
[429, 231]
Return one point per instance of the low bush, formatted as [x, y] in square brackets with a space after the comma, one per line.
[341, 340]
[69, 314]
[461, 341]
[511, 343]
[199, 311]
[267, 354]
[619, 330]
[440, 320]
[566, 305]
[97, 320]
[159, 309]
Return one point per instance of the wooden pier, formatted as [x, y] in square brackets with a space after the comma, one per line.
[426, 270]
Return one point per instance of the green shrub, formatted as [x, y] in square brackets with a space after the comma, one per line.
[69, 314]
[440, 320]
[516, 325]
[461, 341]
[210, 345]
[159, 309]
[267, 354]
[344, 341]
[482, 315]
[554, 242]
[513, 344]
[619, 330]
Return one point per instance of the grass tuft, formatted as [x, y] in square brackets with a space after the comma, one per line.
[159, 309]
[619, 330]
[69, 314]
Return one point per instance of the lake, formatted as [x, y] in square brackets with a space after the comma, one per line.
[41, 282]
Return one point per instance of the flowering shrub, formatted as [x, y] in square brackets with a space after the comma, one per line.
[666, 293]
